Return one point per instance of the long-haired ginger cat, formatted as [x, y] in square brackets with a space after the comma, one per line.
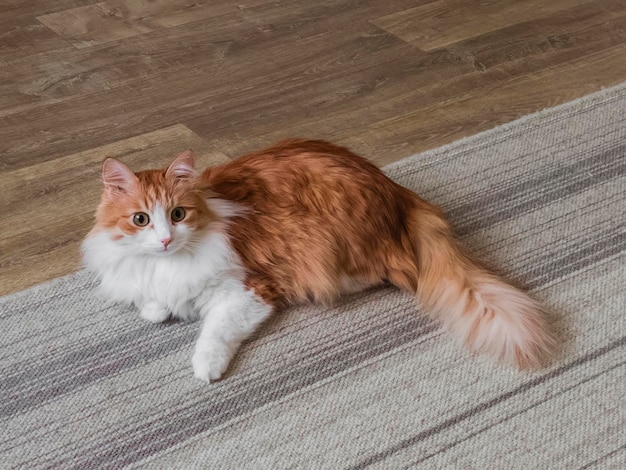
[300, 221]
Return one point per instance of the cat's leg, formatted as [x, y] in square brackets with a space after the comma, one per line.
[185, 311]
[154, 312]
[231, 314]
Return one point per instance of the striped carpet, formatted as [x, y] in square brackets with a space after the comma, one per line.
[370, 382]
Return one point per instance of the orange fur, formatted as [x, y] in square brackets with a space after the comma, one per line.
[319, 214]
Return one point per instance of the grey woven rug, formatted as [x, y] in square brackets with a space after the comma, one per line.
[369, 382]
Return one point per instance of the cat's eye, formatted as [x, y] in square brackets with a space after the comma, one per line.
[178, 214]
[141, 219]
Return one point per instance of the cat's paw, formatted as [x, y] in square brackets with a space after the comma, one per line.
[209, 364]
[154, 312]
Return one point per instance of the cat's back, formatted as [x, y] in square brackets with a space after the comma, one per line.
[291, 170]
[316, 215]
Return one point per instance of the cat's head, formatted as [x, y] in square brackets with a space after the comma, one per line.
[153, 212]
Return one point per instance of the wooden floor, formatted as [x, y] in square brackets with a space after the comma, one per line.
[141, 80]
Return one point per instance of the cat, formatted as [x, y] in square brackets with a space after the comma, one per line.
[301, 221]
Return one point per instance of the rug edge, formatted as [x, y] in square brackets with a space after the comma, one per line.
[601, 96]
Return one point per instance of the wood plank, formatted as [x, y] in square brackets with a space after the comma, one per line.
[50, 131]
[16, 9]
[92, 24]
[464, 115]
[25, 37]
[438, 77]
[236, 40]
[292, 96]
[48, 208]
[441, 76]
[443, 22]
[255, 30]
[583, 28]
[280, 92]
[112, 20]
[61, 74]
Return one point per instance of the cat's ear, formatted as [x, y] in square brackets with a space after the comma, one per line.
[117, 177]
[182, 167]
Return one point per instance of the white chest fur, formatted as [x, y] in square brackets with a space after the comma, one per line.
[173, 281]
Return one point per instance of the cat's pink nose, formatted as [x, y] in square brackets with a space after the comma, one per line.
[165, 242]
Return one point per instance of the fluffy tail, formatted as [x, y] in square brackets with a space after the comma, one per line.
[487, 314]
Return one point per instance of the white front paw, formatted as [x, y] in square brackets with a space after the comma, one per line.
[154, 312]
[210, 363]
